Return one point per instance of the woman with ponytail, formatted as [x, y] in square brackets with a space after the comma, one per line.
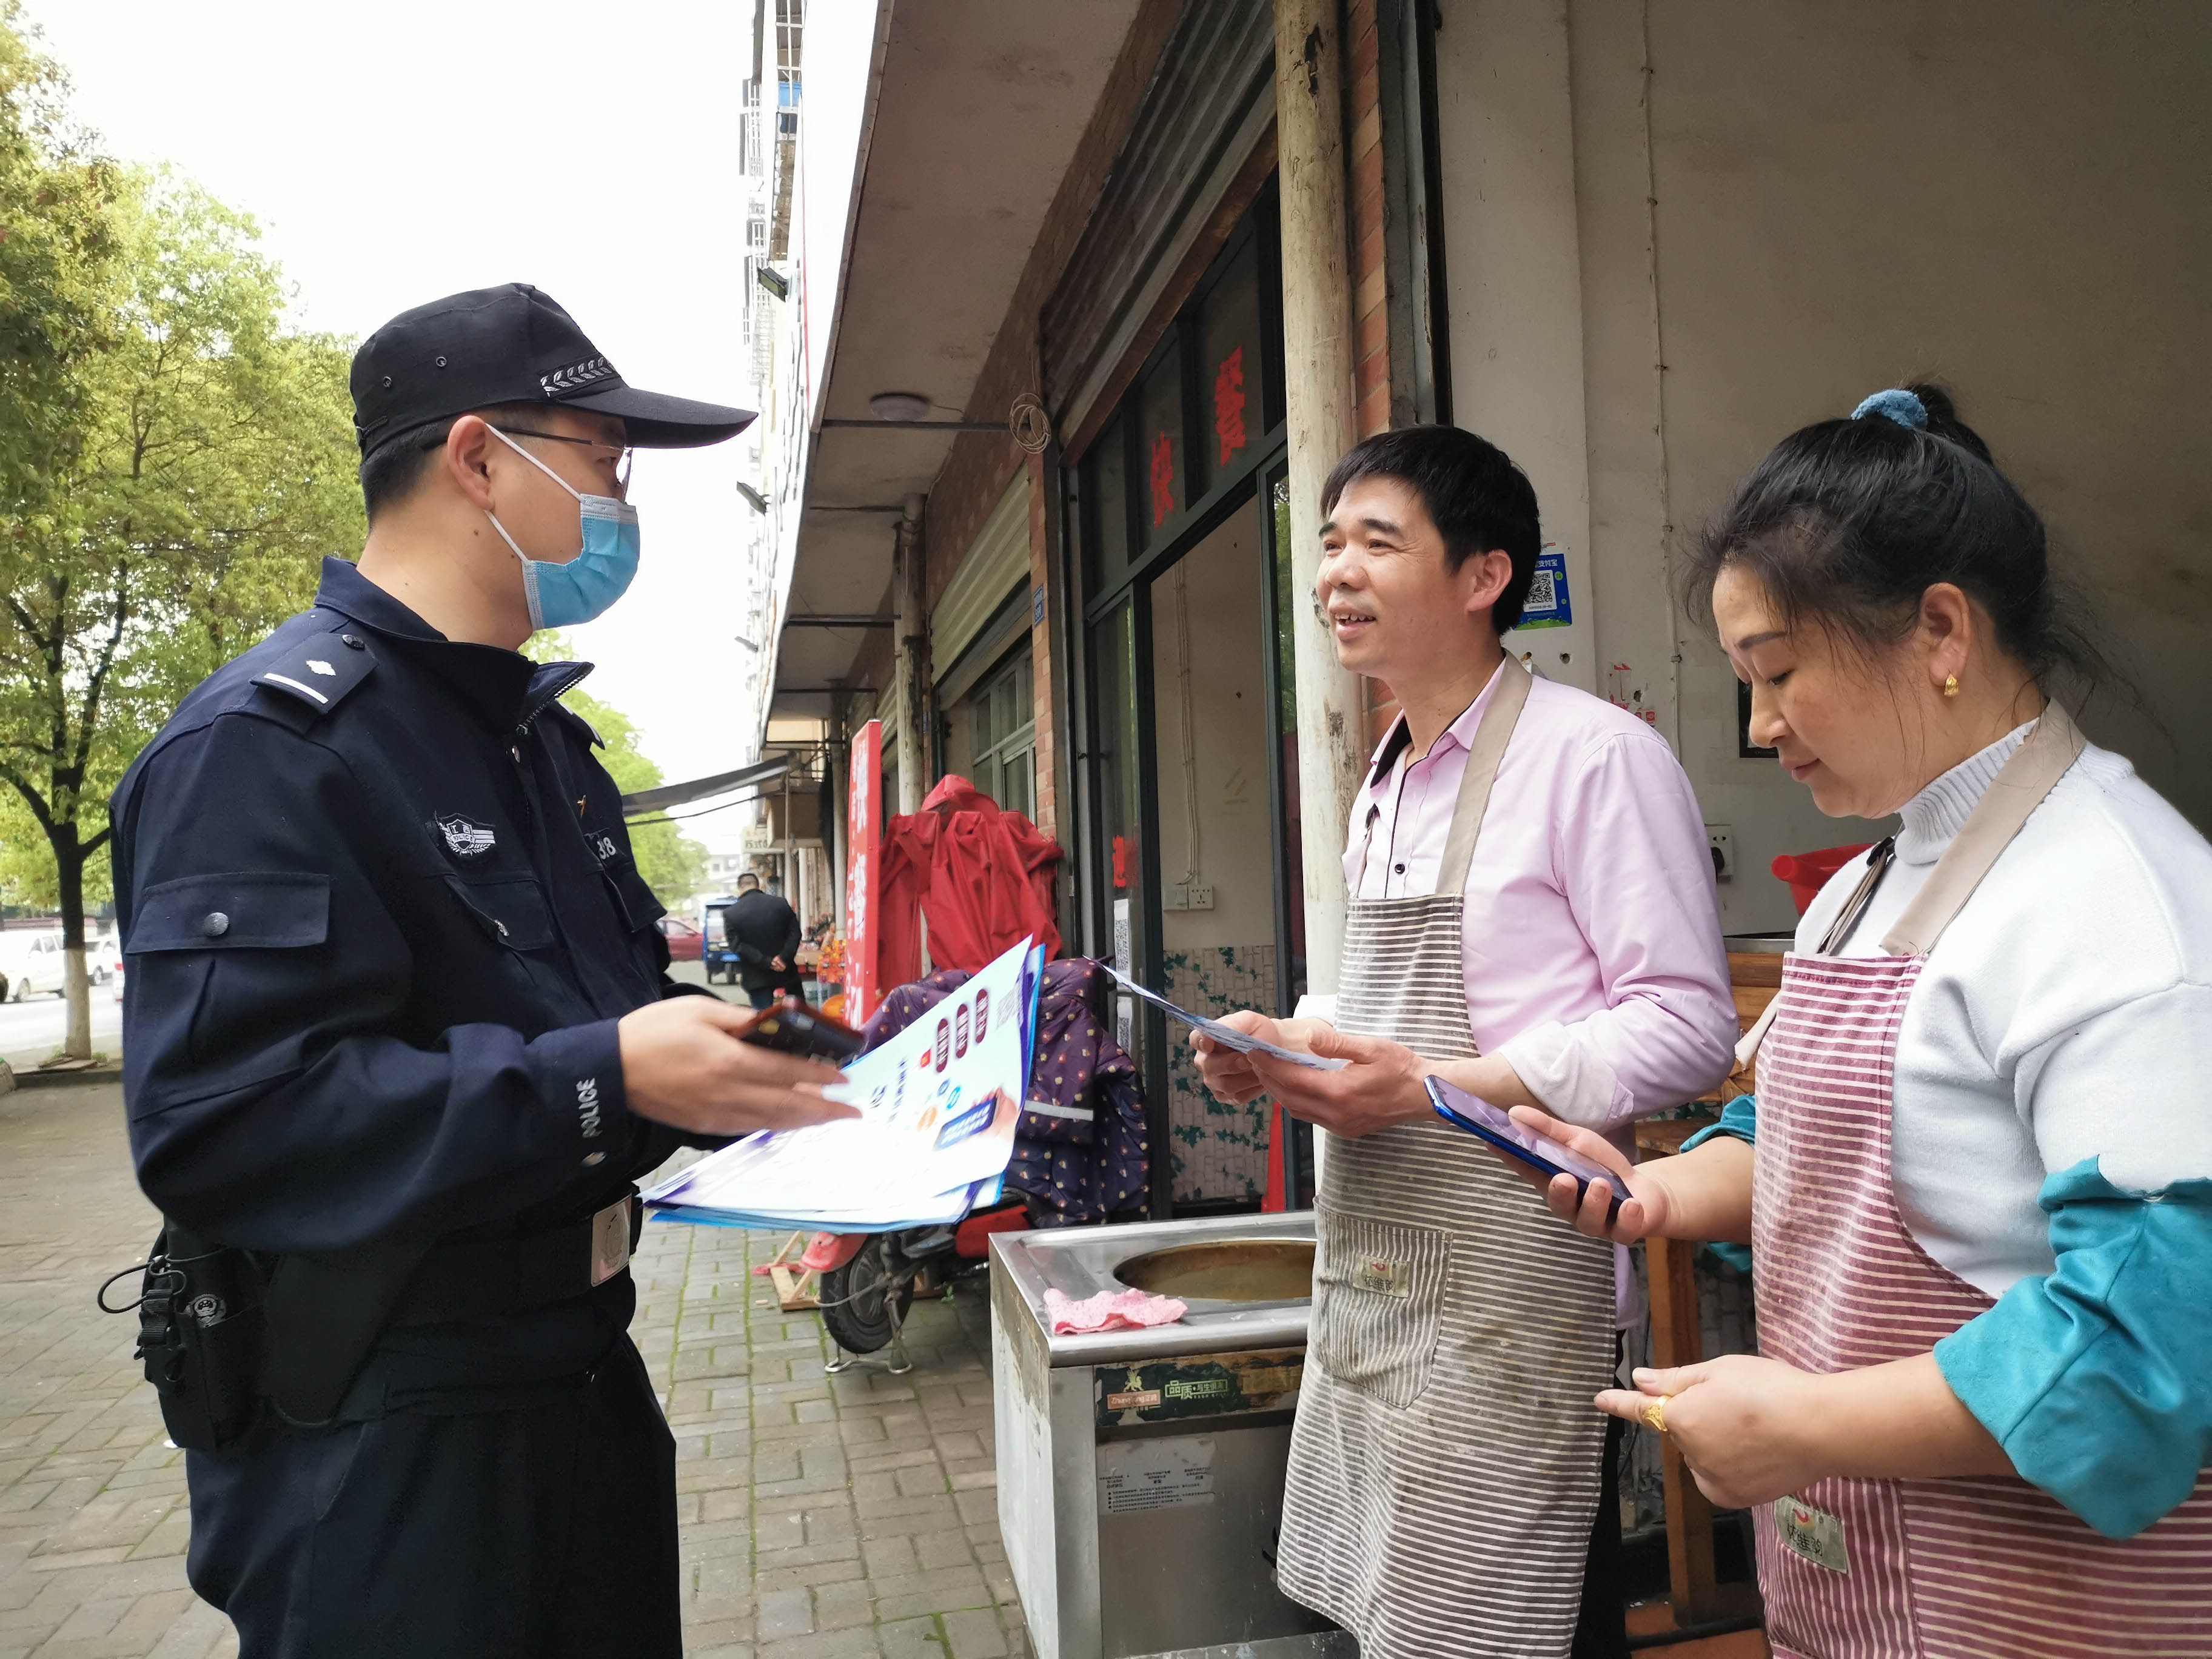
[1976, 1178]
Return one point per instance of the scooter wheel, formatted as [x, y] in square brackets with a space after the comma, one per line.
[863, 1303]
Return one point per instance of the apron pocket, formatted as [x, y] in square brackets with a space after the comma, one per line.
[1378, 1289]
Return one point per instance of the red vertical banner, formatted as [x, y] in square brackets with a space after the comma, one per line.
[864, 839]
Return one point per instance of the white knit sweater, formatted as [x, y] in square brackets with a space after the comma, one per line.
[2066, 1014]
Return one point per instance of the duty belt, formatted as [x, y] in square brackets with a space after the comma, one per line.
[482, 1278]
[327, 1313]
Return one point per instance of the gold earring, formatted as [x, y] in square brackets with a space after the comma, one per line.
[1950, 685]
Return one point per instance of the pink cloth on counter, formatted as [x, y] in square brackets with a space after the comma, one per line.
[1109, 1310]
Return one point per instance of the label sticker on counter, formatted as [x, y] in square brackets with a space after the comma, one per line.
[1198, 1385]
[1137, 1475]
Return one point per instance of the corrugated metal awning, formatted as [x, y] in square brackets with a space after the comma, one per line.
[680, 794]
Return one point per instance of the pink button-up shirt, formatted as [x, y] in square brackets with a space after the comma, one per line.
[1592, 942]
[1595, 965]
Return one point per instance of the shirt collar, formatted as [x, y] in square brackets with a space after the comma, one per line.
[1400, 736]
[500, 688]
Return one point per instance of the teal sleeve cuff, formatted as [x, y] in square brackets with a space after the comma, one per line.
[1739, 1122]
[2088, 1378]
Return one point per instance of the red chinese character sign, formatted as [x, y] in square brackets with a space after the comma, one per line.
[1228, 405]
[1163, 479]
[864, 843]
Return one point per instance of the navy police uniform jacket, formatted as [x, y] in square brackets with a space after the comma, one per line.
[380, 917]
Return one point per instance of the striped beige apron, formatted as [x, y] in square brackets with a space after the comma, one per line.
[1445, 1464]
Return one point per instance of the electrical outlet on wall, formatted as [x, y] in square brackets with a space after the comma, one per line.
[1201, 896]
[1721, 840]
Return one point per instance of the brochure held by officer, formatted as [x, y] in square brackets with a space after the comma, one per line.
[938, 1106]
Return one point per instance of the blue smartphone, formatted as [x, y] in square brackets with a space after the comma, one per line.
[1480, 1118]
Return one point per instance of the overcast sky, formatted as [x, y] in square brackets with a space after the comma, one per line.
[399, 151]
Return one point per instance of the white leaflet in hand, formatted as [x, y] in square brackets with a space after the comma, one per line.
[939, 1105]
[1227, 1035]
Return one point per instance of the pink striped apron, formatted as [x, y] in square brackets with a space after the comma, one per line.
[1981, 1568]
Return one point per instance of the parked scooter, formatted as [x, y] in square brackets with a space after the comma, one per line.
[869, 1280]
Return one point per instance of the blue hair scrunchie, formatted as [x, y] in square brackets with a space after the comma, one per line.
[1895, 405]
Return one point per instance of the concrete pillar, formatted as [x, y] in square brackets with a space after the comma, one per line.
[1321, 408]
[910, 616]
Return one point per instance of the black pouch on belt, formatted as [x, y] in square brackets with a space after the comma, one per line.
[202, 1334]
[325, 1315]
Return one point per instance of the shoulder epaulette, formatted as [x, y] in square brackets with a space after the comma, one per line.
[322, 672]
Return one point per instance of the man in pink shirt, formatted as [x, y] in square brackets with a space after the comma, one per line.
[1532, 919]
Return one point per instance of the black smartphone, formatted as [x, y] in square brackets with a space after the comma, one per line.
[790, 1027]
[1478, 1117]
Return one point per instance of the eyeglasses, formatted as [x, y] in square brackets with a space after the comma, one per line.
[623, 454]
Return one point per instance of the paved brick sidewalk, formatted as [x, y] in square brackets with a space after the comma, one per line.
[823, 1517]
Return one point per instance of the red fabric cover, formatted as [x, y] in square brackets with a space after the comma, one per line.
[974, 1238]
[983, 877]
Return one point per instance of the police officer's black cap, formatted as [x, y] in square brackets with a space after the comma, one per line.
[509, 344]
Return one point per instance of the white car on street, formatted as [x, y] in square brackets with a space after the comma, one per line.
[31, 962]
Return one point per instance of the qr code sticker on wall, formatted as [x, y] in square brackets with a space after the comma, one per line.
[1542, 596]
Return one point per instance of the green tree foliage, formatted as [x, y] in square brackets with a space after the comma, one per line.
[173, 464]
[673, 865]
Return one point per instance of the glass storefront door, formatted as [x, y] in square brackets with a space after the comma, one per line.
[1189, 722]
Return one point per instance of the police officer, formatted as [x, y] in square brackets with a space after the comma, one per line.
[397, 1025]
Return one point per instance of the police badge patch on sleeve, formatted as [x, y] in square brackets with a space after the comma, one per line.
[465, 838]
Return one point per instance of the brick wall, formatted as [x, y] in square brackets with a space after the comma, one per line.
[1363, 152]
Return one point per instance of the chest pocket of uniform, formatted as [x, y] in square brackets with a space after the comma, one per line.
[1378, 1291]
[511, 909]
[632, 896]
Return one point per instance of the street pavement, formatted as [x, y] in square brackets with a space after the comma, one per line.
[32, 1030]
[845, 1517]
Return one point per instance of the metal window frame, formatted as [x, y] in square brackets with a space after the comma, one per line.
[1245, 483]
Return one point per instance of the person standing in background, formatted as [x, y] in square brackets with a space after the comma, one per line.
[765, 933]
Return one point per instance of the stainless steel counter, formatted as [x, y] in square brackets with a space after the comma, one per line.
[1080, 1262]
[1140, 1473]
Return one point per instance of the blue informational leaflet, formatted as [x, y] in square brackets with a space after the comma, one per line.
[938, 1106]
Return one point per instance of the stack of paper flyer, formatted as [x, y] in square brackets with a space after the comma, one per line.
[938, 1103]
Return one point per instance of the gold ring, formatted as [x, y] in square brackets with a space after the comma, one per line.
[1655, 1415]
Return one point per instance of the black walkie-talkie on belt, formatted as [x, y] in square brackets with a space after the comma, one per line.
[201, 1335]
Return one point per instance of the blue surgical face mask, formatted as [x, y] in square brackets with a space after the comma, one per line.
[561, 595]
